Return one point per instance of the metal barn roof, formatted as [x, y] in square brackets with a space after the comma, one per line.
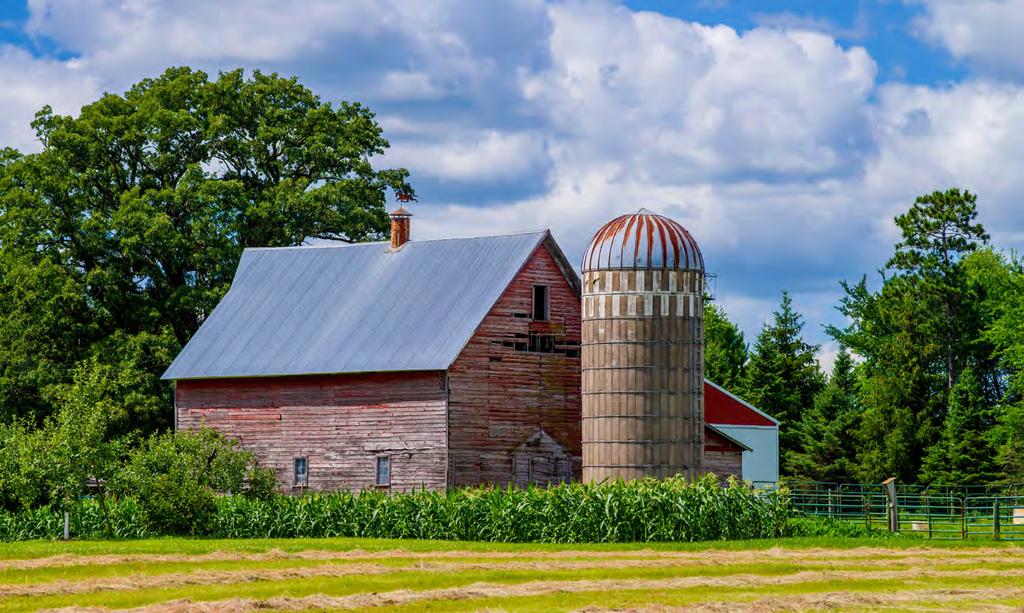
[355, 308]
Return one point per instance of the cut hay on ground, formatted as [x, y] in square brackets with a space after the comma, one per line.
[562, 579]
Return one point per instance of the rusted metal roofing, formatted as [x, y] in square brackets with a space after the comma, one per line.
[356, 308]
[642, 240]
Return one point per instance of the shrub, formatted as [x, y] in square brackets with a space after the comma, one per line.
[261, 483]
[176, 477]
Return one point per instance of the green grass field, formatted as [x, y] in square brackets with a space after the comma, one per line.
[179, 574]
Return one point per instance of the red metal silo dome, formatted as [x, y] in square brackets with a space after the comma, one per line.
[643, 240]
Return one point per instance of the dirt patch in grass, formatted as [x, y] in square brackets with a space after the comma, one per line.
[839, 567]
[537, 588]
[716, 556]
[905, 599]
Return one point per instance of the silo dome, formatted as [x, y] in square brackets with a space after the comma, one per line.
[643, 240]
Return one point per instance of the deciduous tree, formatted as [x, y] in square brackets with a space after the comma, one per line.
[121, 235]
[725, 351]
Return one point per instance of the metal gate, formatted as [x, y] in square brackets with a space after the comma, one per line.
[961, 512]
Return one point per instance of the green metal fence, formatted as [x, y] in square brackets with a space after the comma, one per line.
[958, 512]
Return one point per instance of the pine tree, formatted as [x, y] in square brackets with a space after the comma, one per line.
[827, 431]
[916, 333]
[938, 231]
[783, 376]
[725, 351]
[965, 453]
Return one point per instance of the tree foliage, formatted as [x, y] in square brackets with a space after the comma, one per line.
[783, 376]
[828, 447]
[121, 235]
[917, 333]
[965, 453]
[725, 351]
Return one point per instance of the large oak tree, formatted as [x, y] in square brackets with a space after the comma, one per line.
[123, 232]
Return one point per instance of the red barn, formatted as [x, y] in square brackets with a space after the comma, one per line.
[406, 364]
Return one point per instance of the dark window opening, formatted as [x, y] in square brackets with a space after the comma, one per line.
[542, 343]
[301, 472]
[383, 471]
[541, 310]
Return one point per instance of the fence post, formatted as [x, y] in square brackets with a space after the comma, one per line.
[891, 508]
[928, 511]
[995, 519]
[963, 518]
[67, 526]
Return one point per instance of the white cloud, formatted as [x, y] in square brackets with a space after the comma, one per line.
[464, 46]
[986, 33]
[776, 146]
[30, 83]
[969, 135]
[672, 99]
[489, 156]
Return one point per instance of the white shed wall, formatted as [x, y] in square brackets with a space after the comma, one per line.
[761, 464]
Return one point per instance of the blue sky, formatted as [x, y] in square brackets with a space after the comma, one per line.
[784, 135]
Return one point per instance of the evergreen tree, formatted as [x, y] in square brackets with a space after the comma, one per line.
[827, 430]
[938, 231]
[965, 453]
[783, 376]
[1003, 284]
[916, 334]
[725, 351]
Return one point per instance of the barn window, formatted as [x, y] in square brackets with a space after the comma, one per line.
[541, 343]
[301, 472]
[541, 310]
[383, 471]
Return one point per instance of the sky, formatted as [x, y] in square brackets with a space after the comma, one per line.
[784, 135]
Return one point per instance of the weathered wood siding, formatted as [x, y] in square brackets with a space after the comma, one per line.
[724, 463]
[342, 423]
[721, 456]
[514, 413]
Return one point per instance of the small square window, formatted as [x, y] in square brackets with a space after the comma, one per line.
[383, 471]
[541, 303]
[301, 472]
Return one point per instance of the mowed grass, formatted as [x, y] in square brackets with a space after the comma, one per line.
[357, 574]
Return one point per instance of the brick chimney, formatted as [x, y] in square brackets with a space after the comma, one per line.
[400, 225]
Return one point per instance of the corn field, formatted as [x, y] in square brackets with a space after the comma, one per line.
[636, 511]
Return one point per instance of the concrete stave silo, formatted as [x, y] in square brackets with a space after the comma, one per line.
[642, 350]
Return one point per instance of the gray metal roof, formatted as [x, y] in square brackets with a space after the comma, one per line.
[355, 308]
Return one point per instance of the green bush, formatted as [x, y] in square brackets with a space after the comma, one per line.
[176, 477]
[646, 510]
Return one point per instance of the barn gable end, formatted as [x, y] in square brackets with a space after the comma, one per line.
[503, 392]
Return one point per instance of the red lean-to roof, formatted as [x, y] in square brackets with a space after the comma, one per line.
[723, 408]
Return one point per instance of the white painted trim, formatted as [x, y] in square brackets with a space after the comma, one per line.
[743, 402]
[718, 425]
